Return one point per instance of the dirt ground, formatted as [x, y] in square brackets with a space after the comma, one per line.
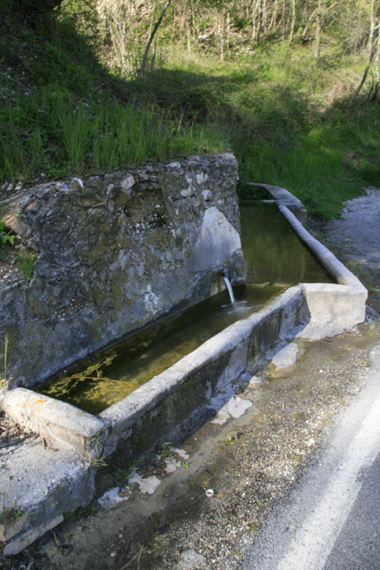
[355, 240]
[249, 463]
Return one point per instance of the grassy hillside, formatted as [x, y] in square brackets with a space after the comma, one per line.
[285, 114]
[63, 111]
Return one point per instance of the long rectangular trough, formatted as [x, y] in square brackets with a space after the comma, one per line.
[170, 406]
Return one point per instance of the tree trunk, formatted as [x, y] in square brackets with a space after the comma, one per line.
[221, 33]
[258, 20]
[355, 95]
[254, 11]
[274, 15]
[371, 40]
[377, 63]
[308, 23]
[141, 71]
[189, 27]
[317, 45]
[265, 17]
[293, 22]
[228, 28]
[372, 31]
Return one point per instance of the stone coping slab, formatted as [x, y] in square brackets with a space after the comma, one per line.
[306, 310]
[57, 422]
[39, 485]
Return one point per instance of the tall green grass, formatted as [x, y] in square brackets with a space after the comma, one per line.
[287, 118]
[63, 111]
[82, 138]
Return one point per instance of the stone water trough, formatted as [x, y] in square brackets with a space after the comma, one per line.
[115, 253]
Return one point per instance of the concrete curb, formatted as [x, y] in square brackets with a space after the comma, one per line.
[176, 401]
[283, 197]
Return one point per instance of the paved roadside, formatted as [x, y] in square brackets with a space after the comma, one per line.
[332, 520]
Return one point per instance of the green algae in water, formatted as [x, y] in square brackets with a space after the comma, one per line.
[109, 377]
[273, 252]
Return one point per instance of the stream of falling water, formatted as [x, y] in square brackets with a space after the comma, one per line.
[229, 288]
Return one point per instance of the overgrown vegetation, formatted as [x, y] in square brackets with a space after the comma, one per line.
[123, 474]
[5, 237]
[26, 262]
[278, 85]
[4, 358]
[9, 515]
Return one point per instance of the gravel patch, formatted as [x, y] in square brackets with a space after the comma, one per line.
[259, 464]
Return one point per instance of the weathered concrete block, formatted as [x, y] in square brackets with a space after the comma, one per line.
[39, 485]
[22, 541]
[332, 308]
[58, 423]
[285, 358]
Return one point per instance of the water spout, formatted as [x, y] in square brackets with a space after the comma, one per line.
[229, 287]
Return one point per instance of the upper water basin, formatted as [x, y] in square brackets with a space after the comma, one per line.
[273, 252]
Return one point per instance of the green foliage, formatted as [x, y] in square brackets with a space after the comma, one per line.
[166, 450]
[92, 510]
[26, 262]
[9, 515]
[69, 113]
[284, 113]
[93, 138]
[3, 375]
[5, 237]
[281, 118]
[99, 462]
[123, 474]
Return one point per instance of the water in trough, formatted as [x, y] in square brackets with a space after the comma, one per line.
[275, 258]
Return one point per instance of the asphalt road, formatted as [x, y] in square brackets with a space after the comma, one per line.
[331, 521]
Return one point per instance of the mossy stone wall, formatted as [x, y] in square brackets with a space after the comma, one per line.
[114, 253]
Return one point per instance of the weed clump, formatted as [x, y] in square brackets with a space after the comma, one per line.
[26, 262]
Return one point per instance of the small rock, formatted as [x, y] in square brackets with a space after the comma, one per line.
[286, 357]
[76, 184]
[191, 559]
[182, 453]
[128, 182]
[201, 178]
[111, 498]
[175, 165]
[255, 380]
[172, 465]
[148, 485]
[235, 408]
[14, 223]
[207, 195]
